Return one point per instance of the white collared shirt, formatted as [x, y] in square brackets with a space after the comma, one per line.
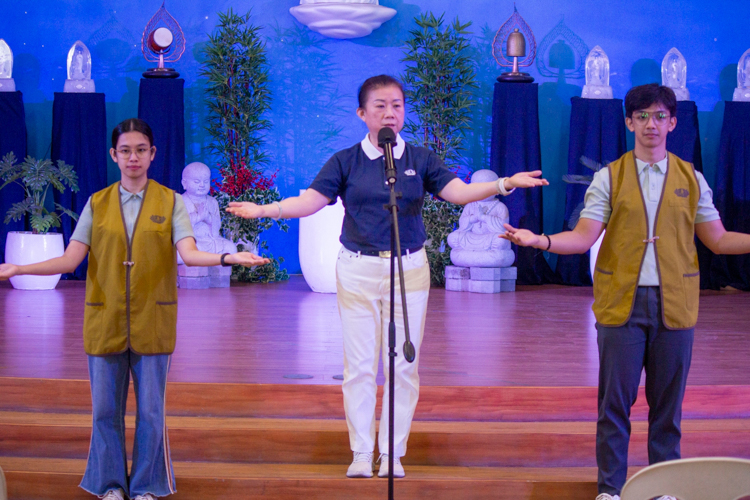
[597, 206]
[372, 152]
[131, 206]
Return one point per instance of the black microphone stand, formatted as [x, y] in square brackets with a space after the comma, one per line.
[386, 138]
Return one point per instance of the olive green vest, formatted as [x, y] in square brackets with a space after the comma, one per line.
[623, 249]
[131, 286]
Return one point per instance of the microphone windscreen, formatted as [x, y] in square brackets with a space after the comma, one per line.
[386, 135]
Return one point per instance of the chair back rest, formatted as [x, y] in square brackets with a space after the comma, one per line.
[691, 479]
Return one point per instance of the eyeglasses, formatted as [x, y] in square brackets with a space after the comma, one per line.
[660, 117]
[127, 152]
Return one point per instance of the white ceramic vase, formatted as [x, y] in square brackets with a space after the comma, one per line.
[319, 246]
[24, 247]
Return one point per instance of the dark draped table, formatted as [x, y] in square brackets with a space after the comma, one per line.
[79, 138]
[685, 139]
[12, 140]
[732, 193]
[515, 148]
[161, 104]
[685, 142]
[597, 132]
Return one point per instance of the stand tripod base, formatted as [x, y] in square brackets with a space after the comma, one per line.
[161, 73]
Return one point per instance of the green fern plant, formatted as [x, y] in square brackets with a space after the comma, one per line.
[36, 177]
[439, 80]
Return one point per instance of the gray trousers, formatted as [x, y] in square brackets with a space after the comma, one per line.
[643, 342]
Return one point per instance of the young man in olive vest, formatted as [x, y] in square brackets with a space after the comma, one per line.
[646, 282]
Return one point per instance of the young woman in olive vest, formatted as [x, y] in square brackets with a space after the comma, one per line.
[646, 282]
[129, 231]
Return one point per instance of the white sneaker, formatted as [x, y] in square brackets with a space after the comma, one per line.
[605, 496]
[147, 496]
[398, 469]
[117, 494]
[361, 465]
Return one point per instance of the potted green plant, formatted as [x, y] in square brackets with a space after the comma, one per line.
[439, 80]
[238, 98]
[27, 247]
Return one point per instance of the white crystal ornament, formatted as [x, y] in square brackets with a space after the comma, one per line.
[342, 19]
[742, 92]
[6, 68]
[79, 70]
[674, 74]
[597, 75]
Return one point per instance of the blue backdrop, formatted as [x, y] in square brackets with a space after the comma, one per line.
[314, 79]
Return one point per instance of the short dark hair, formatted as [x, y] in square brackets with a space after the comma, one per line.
[376, 82]
[643, 96]
[132, 125]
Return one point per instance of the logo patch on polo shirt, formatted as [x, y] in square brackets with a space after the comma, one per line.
[682, 192]
[158, 218]
[410, 172]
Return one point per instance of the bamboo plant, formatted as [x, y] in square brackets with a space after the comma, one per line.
[238, 98]
[439, 81]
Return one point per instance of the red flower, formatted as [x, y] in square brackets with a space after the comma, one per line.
[238, 178]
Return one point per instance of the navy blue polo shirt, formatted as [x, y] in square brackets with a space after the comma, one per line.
[357, 175]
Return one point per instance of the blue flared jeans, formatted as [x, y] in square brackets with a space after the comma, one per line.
[107, 465]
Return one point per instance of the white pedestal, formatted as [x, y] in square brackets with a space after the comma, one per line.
[480, 279]
[192, 277]
[79, 87]
[7, 85]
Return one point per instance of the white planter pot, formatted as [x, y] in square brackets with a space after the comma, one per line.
[23, 247]
[319, 246]
[594, 253]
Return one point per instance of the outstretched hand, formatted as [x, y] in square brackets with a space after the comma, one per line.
[8, 271]
[527, 180]
[246, 259]
[245, 209]
[521, 237]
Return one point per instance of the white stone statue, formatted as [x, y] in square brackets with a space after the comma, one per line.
[206, 220]
[204, 210]
[674, 74]
[742, 92]
[6, 68]
[597, 75]
[79, 70]
[476, 242]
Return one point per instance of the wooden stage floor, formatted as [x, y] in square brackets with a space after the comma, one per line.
[537, 336]
[507, 408]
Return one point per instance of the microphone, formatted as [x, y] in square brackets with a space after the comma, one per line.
[386, 140]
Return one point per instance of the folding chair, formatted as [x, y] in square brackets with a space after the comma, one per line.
[691, 479]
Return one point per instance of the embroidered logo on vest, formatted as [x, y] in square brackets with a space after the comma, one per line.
[410, 172]
[158, 218]
[682, 192]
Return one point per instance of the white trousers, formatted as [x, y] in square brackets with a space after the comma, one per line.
[363, 295]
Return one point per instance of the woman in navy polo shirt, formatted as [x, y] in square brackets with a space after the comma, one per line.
[357, 175]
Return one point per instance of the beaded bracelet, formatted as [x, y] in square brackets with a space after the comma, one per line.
[281, 211]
